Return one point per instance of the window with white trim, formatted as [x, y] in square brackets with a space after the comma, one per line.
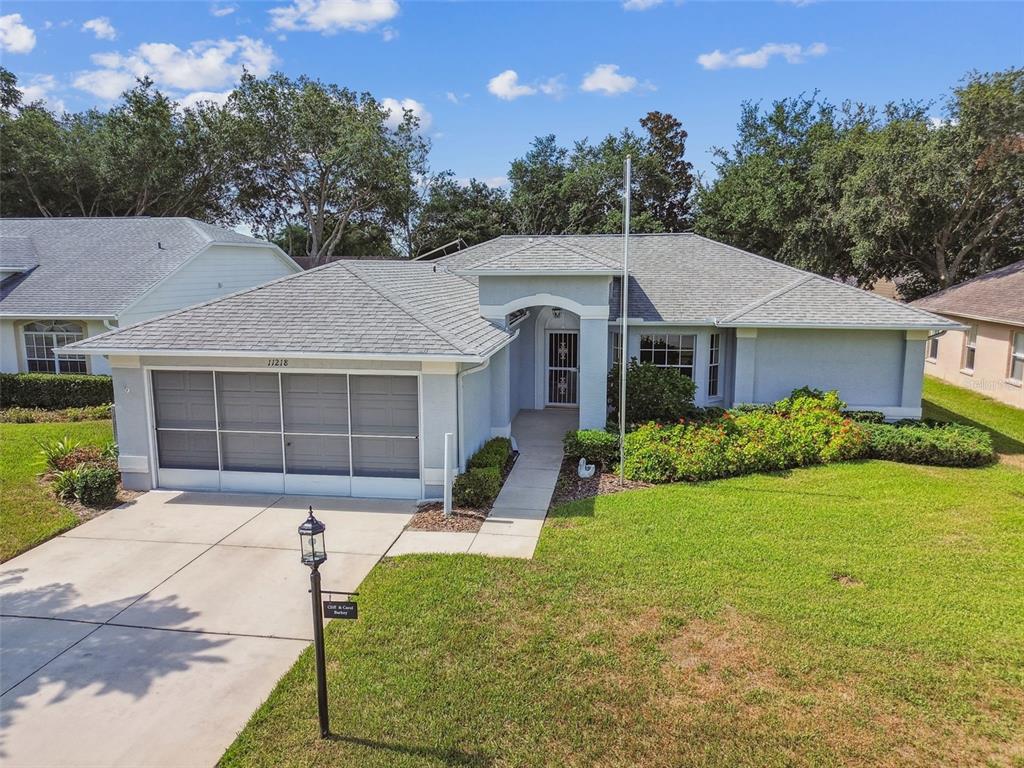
[1017, 357]
[933, 348]
[43, 336]
[616, 348]
[714, 366]
[669, 350]
[970, 348]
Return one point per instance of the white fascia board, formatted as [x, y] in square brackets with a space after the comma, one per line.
[980, 318]
[949, 326]
[56, 316]
[73, 350]
[536, 272]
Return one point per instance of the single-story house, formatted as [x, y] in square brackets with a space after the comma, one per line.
[347, 378]
[66, 279]
[987, 356]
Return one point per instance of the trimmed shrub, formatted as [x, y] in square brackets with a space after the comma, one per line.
[476, 488]
[943, 445]
[493, 453]
[96, 486]
[50, 392]
[652, 393]
[866, 417]
[594, 445]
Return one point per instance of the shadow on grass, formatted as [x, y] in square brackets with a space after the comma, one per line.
[1003, 443]
[446, 756]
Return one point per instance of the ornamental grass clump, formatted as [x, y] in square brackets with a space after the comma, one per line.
[806, 428]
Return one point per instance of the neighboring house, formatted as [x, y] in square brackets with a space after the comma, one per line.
[66, 279]
[347, 378]
[988, 356]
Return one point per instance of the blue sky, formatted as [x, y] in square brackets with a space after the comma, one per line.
[487, 77]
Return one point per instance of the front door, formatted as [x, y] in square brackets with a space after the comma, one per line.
[563, 367]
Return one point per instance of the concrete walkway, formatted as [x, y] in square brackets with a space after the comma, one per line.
[514, 524]
[148, 636]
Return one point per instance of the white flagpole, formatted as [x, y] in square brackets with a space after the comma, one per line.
[624, 333]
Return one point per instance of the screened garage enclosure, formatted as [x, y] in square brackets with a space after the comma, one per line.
[336, 433]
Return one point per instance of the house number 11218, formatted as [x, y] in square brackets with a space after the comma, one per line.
[277, 362]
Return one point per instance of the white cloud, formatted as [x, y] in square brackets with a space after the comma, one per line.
[207, 65]
[793, 53]
[329, 16]
[222, 9]
[640, 5]
[41, 88]
[101, 27]
[396, 109]
[452, 97]
[388, 34]
[107, 84]
[198, 97]
[15, 36]
[553, 86]
[606, 79]
[507, 86]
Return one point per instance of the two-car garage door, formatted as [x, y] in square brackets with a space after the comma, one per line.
[340, 434]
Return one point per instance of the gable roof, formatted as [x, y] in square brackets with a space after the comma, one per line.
[97, 267]
[997, 295]
[687, 279]
[543, 256]
[365, 308]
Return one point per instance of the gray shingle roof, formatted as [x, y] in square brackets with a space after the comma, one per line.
[544, 255]
[687, 279]
[98, 266]
[350, 307]
[17, 253]
[815, 301]
[997, 295]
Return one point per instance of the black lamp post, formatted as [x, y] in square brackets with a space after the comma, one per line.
[311, 538]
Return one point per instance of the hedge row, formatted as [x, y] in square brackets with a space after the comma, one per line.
[479, 486]
[942, 445]
[809, 427]
[51, 392]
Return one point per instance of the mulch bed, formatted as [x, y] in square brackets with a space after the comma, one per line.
[571, 487]
[430, 517]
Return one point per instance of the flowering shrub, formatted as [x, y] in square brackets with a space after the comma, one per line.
[800, 430]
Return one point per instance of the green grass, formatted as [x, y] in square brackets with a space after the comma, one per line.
[948, 403]
[866, 613]
[30, 515]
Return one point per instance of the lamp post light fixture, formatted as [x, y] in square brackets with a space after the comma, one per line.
[314, 554]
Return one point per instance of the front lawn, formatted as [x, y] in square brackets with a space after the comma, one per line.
[865, 613]
[28, 514]
[948, 403]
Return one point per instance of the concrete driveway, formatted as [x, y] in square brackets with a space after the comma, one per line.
[148, 636]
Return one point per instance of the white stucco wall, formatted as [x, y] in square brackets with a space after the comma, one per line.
[877, 370]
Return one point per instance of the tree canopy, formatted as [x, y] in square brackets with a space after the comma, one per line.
[898, 194]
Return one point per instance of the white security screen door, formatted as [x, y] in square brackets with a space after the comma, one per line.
[563, 367]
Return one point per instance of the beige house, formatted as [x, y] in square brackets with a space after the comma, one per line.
[988, 357]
